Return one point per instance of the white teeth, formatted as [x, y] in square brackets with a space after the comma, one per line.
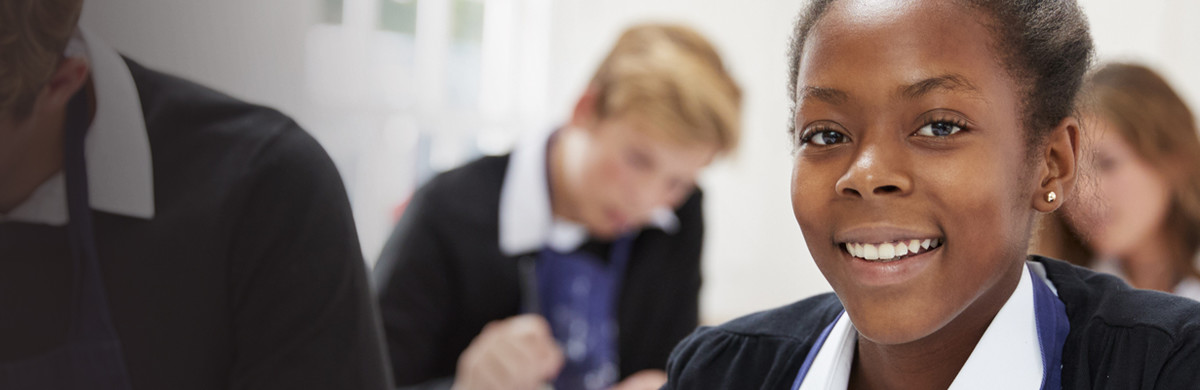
[891, 250]
[869, 252]
[886, 251]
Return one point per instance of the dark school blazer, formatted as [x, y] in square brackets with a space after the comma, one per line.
[249, 276]
[1120, 338]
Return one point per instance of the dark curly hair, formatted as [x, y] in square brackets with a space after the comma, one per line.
[1045, 46]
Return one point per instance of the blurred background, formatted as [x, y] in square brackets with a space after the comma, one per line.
[399, 90]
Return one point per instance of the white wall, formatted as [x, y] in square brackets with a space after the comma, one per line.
[1160, 33]
[755, 256]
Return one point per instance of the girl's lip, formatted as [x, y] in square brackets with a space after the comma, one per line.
[889, 273]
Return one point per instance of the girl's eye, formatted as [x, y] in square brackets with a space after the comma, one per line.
[939, 129]
[824, 137]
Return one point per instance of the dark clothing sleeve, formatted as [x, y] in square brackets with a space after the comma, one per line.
[1120, 338]
[761, 351]
[660, 303]
[1181, 369]
[302, 313]
[715, 359]
[1125, 338]
[413, 278]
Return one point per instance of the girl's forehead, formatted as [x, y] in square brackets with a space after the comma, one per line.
[877, 10]
[883, 45]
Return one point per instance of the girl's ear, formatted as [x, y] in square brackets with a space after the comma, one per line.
[1056, 174]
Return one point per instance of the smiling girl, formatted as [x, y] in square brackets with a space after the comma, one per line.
[928, 135]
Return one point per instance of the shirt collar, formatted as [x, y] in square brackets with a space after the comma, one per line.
[120, 174]
[527, 222]
[1008, 355]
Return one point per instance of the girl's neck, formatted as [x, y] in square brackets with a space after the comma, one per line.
[934, 361]
[902, 367]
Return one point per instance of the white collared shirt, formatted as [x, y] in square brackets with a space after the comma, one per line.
[527, 222]
[1008, 356]
[117, 147]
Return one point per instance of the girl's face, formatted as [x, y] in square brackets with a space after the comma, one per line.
[909, 140]
[1131, 197]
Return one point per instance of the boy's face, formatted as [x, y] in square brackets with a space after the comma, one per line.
[621, 172]
[909, 131]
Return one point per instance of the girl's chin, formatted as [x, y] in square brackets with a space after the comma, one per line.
[896, 331]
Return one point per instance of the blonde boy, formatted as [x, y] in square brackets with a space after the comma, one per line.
[575, 260]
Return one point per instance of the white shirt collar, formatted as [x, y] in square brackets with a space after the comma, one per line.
[527, 222]
[120, 175]
[1008, 356]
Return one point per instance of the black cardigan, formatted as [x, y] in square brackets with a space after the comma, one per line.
[249, 276]
[442, 277]
[1120, 338]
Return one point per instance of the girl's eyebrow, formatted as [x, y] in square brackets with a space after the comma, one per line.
[826, 94]
[949, 82]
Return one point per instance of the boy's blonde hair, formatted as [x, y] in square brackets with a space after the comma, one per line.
[33, 35]
[673, 79]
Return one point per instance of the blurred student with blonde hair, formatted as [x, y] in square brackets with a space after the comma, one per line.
[1140, 217]
[574, 260]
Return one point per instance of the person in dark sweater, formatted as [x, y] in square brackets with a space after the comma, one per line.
[928, 135]
[156, 234]
[575, 260]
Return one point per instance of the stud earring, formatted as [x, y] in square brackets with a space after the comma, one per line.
[1051, 196]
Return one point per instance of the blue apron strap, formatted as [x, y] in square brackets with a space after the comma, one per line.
[618, 261]
[95, 343]
[528, 280]
[579, 295]
[91, 320]
[812, 353]
[1052, 329]
[90, 357]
